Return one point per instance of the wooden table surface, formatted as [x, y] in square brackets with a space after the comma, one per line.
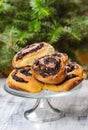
[75, 106]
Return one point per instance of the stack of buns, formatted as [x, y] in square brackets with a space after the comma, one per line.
[38, 67]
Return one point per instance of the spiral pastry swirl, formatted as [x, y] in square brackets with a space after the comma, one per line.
[22, 79]
[74, 75]
[62, 56]
[73, 70]
[30, 53]
[49, 69]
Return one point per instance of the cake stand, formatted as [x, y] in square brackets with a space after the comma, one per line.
[43, 110]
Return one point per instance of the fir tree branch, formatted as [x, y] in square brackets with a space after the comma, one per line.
[55, 34]
[56, 21]
[70, 32]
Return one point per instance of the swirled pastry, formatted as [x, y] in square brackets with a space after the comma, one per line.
[65, 86]
[49, 69]
[73, 69]
[62, 56]
[22, 79]
[30, 53]
[74, 75]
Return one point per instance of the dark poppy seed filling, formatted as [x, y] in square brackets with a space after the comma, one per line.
[26, 71]
[70, 76]
[44, 69]
[33, 49]
[18, 79]
[71, 67]
[68, 69]
[57, 54]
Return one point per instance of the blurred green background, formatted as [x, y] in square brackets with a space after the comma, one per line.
[62, 23]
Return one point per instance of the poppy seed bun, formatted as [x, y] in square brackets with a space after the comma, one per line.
[22, 79]
[74, 69]
[65, 86]
[30, 53]
[49, 69]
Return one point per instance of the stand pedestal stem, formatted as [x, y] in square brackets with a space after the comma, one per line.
[43, 111]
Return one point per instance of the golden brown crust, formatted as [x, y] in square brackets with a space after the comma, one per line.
[22, 79]
[74, 75]
[74, 69]
[65, 86]
[49, 69]
[30, 53]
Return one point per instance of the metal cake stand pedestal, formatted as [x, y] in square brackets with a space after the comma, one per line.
[43, 110]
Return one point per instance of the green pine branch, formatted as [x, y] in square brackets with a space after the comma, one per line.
[55, 34]
[39, 9]
[63, 23]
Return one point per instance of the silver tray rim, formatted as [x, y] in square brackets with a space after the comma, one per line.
[42, 94]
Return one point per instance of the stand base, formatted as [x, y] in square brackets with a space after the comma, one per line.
[43, 112]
